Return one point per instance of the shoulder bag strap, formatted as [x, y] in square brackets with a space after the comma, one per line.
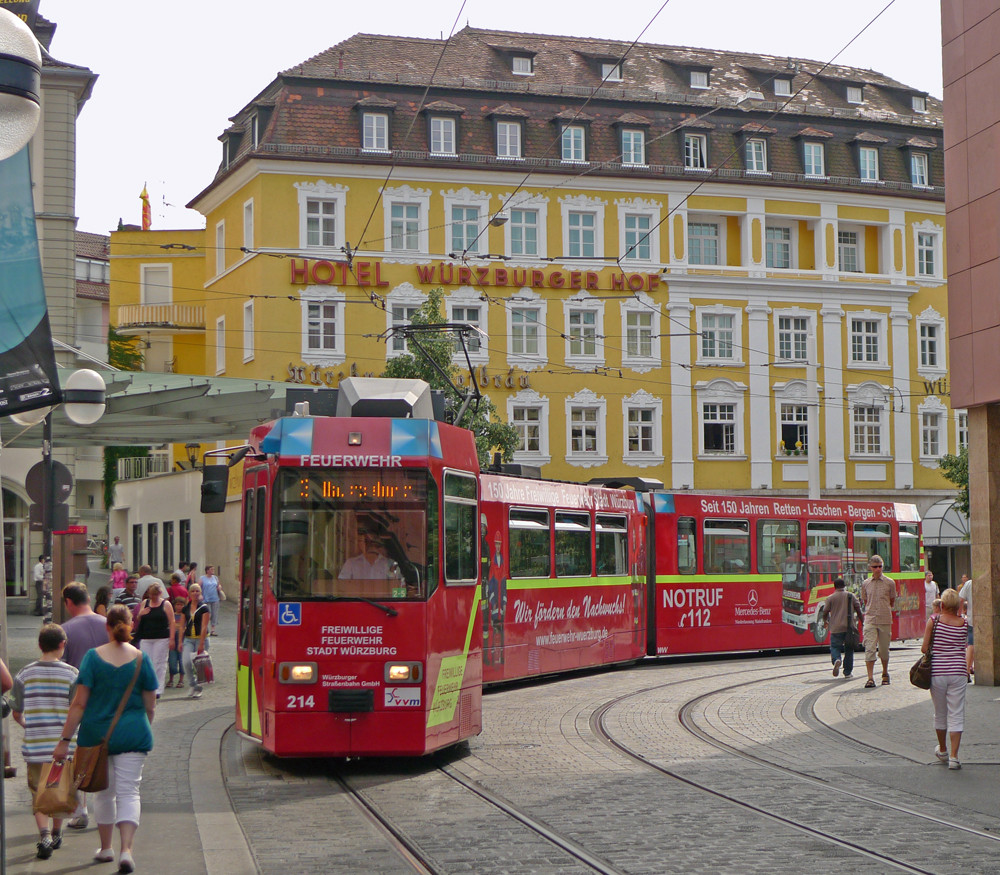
[124, 699]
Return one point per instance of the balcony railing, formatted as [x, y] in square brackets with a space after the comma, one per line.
[140, 467]
[160, 319]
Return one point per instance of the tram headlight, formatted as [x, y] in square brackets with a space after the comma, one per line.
[403, 672]
[297, 672]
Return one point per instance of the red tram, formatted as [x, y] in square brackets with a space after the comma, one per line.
[384, 579]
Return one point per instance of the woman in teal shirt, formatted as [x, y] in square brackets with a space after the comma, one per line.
[105, 674]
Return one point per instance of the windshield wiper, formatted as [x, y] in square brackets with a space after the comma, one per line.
[392, 612]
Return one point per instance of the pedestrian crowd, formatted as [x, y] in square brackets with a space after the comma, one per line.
[97, 679]
[948, 638]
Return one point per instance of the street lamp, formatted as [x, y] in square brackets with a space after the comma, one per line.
[193, 451]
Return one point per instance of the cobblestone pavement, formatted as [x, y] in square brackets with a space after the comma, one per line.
[539, 752]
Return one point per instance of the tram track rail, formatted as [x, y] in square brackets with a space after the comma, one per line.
[685, 719]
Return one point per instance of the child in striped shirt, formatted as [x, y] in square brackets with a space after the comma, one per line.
[39, 702]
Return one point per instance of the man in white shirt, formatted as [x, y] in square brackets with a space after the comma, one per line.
[146, 577]
[369, 564]
[116, 553]
[38, 575]
[930, 593]
[965, 593]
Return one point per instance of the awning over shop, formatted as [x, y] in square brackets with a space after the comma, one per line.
[944, 525]
[147, 409]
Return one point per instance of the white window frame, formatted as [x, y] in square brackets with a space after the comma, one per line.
[868, 162]
[859, 247]
[721, 227]
[587, 400]
[526, 63]
[220, 247]
[633, 145]
[464, 298]
[782, 87]
[528, 399]
[792, 240]
[611, 71]
[524, 201]
[375, 132]
[151, 290]
[855, 94]
[643, 401]
[793, 394]
[819, 145]
[583, 303]
[323, 295]
[696, 152]
[420, 197]
[931, 319]
[255, 130]
[220, 345]
[508, 135]
[465, 198]
[920, 170]
[248, 331]
[923, 233]
[573, 144]
[247, 226]
[755, 155]
[640, 305]
[722, 391]
[407, 297]
[699, 79]
[860, 319]
[932, 422]
[583, 204]
[710, 324]
[918, 103]
[796, 342]
[650, 211]
[442, 136]
[527, 299]
[868, 410]
[961, 429]
[321, 192]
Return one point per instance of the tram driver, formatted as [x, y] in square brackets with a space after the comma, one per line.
[370, 563]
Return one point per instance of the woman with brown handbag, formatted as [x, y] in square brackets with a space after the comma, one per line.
[115, 698]
[944, 639]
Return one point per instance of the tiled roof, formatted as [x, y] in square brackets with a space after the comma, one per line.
[90, 245]
[508, 111]
[758, 128]
[921, 143]
[815, 133]
[632, 118]
[869, 137]
[443, 106]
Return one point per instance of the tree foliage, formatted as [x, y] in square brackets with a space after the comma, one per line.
[123, 353]
[492, 435]
[955, 469]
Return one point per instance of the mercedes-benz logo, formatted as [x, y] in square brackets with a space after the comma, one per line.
[752, 598]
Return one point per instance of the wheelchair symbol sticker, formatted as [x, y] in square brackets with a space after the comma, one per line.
[290, 615]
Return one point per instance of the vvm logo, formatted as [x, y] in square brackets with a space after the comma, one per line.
[402, 697]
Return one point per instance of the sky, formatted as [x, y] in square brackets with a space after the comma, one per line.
[173, 73]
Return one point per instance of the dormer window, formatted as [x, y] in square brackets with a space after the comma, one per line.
[254, 131]
[611, 72]
[522, 65]
[855, 94]
[699, 78]
[782, 87]
[919, 103]
[225, 152]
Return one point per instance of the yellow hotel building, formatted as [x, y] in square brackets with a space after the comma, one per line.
[651, 243]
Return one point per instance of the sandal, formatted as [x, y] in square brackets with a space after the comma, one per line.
[885, 680]
[870, 685]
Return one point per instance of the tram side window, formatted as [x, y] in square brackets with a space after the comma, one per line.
[612, 545]
[258, 621]
[779, 545]
[687, 545]
[727, 547]
[871, 539]
[248, 557]
[826, 543]
[573, 540]
[529, 543]
[909, 548]
[461, 561]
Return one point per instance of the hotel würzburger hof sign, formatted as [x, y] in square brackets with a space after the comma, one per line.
[369, 273]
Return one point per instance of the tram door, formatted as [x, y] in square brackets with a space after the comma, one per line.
[250, 670]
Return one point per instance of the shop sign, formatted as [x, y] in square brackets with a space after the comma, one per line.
[314, 375]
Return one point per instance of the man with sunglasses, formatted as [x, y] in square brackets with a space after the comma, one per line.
[878, 593]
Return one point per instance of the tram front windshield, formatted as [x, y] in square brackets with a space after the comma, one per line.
[364, 534]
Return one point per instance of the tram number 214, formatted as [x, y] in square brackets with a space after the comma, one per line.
[301, 702]
[696, 617]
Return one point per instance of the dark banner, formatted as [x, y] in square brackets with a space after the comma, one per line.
[27, 363]
[26, 10]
